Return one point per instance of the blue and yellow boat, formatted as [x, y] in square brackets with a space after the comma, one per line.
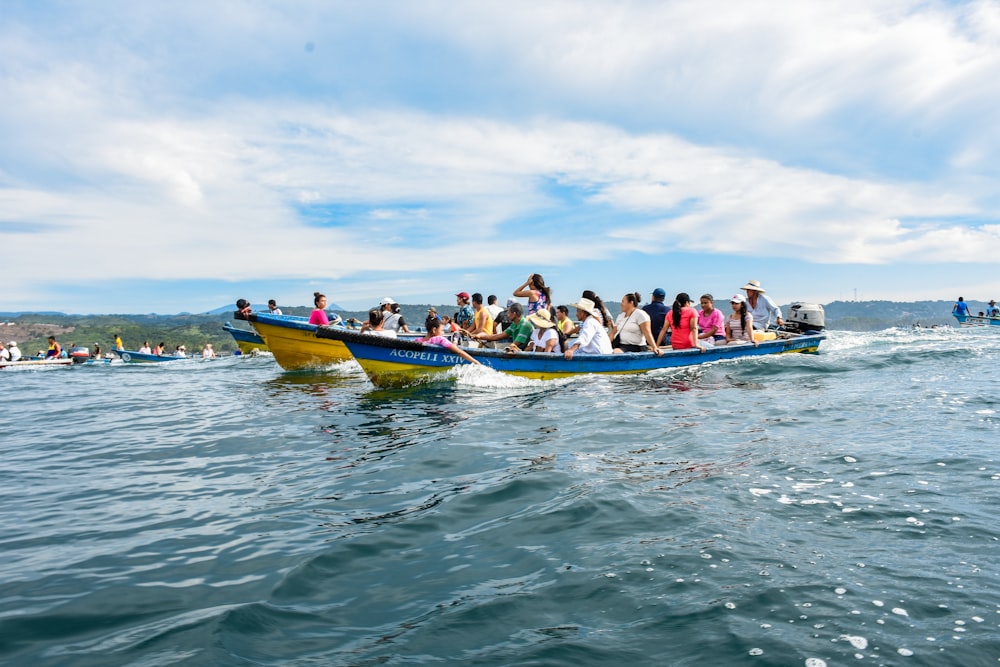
[396, 362]
[248, 340]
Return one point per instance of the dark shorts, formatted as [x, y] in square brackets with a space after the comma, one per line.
[625, 347]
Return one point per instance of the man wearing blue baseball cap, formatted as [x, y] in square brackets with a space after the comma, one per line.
[657, 311]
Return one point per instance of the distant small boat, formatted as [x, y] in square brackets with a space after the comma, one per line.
[248, 340]
[133, 357]
[976, 321]
[35, 362]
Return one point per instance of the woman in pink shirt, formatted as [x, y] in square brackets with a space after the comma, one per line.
[682, 324]
[711, 323]
[318, 315]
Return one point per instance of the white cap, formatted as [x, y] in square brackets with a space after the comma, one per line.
[13, 343]
[386, 301]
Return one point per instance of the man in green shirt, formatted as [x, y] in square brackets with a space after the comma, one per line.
[519, 331]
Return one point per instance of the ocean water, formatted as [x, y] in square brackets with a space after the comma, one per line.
[830, 509]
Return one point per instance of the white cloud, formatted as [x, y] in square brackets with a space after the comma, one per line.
[189, 145]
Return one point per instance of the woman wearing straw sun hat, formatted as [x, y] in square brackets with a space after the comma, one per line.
[593, 339]
[763, 308]
[545, 337]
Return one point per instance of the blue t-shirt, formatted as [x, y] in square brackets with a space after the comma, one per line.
[657, 311]
[961, 308]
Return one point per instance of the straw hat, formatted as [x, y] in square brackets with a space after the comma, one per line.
[542, 319]
[755, 286]
[587, 306]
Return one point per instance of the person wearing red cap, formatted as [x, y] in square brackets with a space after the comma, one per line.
[465, 316]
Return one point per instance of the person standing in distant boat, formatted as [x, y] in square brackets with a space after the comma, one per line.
[272, 307]
[961, 308]
[539, 296]
[118, 342]
[763, 308]
[318, 315]
[55, 349]
[96, 354]
[992, 310]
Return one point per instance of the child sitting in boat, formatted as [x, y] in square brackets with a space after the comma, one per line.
[434, 337]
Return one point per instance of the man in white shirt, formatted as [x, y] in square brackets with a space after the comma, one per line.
[763, 308]
[15, 351]
[593, 338]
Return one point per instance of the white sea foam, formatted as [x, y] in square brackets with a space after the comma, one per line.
[857, 642]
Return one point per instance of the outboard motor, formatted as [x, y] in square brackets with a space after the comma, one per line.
[805, 317]
[79, 354]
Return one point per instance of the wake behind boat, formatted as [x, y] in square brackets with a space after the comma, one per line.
[392, 362]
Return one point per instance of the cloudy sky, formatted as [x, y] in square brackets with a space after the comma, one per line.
[174, 156]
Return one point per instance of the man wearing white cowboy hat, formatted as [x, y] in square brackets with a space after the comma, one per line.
[592, 339]
[763, 308]
[544, 338]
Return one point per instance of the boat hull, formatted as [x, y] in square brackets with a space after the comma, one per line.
[294, 343]
[394, 362]
[976, 321]
[249, 342]
[35, 363]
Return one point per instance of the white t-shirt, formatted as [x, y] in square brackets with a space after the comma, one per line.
[541, 337]
[628, 329]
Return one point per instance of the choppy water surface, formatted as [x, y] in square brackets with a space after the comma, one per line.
[798, 510]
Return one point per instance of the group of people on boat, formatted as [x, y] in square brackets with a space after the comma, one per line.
[541, 326]
[180, 351]
[10, 352]
[961, 308]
